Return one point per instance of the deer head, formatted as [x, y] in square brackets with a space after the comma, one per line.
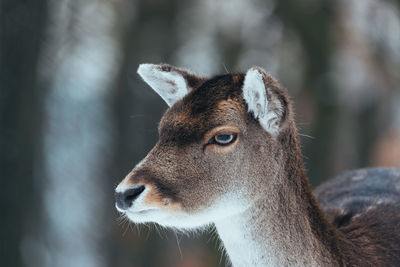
[219, 148]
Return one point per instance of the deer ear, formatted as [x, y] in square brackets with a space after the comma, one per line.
[265, 99]
[171, 83]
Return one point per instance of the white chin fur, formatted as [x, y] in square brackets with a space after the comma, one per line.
[166, 218]
[140, 213]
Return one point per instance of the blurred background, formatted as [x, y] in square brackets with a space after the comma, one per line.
[75, 117]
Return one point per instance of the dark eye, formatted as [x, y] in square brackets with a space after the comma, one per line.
[224, 139]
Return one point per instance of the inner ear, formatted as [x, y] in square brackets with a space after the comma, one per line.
[263, 96]
[170, 82]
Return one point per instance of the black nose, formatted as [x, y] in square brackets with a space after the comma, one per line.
[125, 199]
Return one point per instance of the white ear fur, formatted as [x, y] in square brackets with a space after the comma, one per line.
[169, 84]
[255, 95]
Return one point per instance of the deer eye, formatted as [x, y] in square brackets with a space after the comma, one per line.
[224, 139]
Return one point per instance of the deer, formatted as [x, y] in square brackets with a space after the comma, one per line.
[229, 155]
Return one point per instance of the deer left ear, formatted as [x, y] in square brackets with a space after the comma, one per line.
[265, 99]
[170, 82]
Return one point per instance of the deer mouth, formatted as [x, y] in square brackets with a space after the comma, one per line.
[146, 215]
[141, 212]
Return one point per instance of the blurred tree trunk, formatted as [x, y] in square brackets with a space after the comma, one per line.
[311, 21]
[22, 27]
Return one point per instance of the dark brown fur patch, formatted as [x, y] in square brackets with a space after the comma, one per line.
[236, 79]
[190, 118]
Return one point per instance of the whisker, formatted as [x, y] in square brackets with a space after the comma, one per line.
[226, 69]
[158, 231]
[306, 135]
[148, 234]
[179, 245]
[127, 226]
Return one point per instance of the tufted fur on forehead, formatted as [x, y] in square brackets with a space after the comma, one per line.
[264, 97]
[170, 82]
[203, 109]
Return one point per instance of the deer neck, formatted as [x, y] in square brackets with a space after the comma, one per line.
[285, 227]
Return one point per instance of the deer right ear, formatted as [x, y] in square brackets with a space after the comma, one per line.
[170, 82]
[264, 99]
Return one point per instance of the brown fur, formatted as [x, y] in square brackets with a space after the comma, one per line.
[187, 174]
